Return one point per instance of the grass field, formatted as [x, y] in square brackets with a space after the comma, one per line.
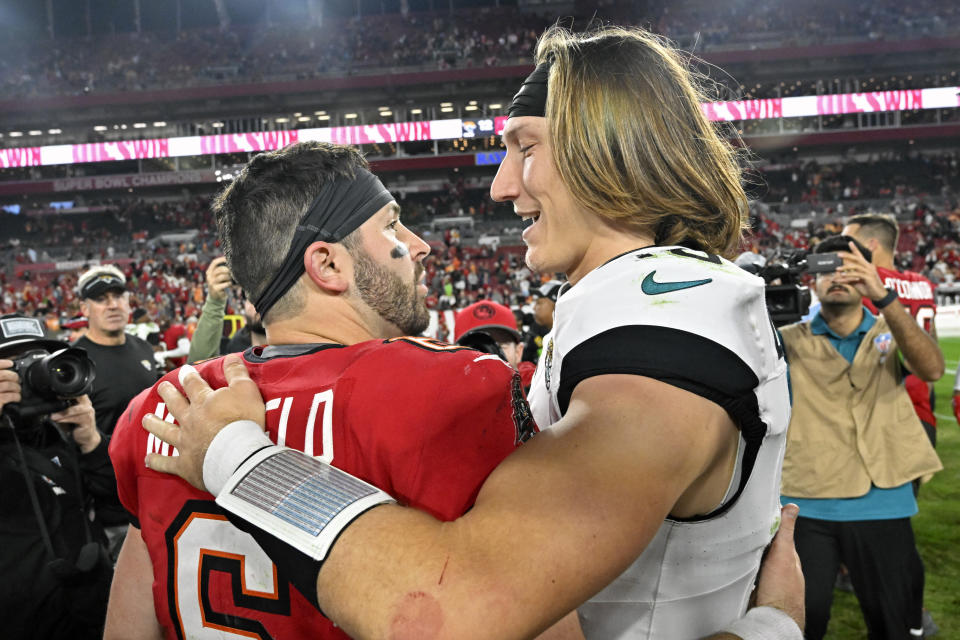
[937, 526]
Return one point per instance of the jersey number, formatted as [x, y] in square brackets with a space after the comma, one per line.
[201, 543]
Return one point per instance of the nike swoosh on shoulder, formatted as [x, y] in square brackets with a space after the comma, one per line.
[652, 288]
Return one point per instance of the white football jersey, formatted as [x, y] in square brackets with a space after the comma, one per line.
[700, 323]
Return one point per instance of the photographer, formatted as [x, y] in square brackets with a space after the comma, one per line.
[54, 465]
[855, 445]
[206, 341]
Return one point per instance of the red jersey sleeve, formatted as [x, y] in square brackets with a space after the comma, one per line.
[440, 428]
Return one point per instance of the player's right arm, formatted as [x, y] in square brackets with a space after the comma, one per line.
[130, 612]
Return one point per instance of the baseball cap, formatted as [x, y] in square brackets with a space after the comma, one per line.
[550, 290]
[98, 280]
[17, 332]
[485, 315]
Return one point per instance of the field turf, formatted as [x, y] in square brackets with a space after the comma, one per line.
[937, 526]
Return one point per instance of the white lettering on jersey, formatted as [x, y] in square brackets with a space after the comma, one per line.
[910, 289]
[155, 444]
[284, 416]
[322, 404]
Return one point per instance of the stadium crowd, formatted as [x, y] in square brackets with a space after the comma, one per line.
[167, 279]
[30, 66]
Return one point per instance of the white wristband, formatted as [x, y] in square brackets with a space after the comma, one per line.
[765, 623]
[235, 443]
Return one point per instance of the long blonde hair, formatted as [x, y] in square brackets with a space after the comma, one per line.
[632, 143]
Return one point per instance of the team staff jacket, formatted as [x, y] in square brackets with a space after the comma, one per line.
[424, 421]
[916, 294]
[698, 322]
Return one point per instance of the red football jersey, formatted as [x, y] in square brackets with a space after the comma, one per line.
[916, 294]
[424, 421]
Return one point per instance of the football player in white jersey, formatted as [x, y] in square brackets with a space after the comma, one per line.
[661, 389]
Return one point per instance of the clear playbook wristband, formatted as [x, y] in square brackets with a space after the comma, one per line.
[765, 623]
[294, 497]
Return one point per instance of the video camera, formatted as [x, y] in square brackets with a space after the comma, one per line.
[788, 299]
[52, 374]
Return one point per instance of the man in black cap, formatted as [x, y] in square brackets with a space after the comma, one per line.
[543, 306]
[53, 467]
[125, 363]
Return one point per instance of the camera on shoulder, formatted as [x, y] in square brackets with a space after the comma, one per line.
[52, 373]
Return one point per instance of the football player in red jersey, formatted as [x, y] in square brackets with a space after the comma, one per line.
[340, 383]
[880, 234]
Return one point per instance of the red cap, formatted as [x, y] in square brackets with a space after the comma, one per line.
[484, 315]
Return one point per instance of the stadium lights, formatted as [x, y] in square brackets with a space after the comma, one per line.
[139, 125]
[281, 120]
[303, 119]
[446, 109]
[320, 113]
[160, 124]
[416, 112]
[216, 125]
[350, 116]
[124, 127]
[100, 127]
[55, 131]
[446, 104]
[471, 107]
[297, 114]
[35, 132]
[386, 113]
[496, 105]
[323, 117]
[16, 134]
[472, 102]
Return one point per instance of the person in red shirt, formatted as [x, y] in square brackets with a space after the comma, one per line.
[341, 383]
[880, 233]
[492, 328]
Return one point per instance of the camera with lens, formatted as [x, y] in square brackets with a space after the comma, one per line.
[51, 373]
[49, 381]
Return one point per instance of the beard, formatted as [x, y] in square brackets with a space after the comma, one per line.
[387, 294]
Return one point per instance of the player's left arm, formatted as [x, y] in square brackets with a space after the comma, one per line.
[920, 351]
[559, 519]
[130, 611]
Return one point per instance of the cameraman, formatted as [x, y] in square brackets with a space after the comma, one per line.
[52, 467]
[855, 445]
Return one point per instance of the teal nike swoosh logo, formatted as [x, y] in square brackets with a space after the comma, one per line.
[652, 288]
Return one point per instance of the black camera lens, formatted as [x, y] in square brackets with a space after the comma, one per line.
[67, 373]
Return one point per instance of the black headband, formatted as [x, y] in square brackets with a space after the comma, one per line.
[343, 205]
[531, 100]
